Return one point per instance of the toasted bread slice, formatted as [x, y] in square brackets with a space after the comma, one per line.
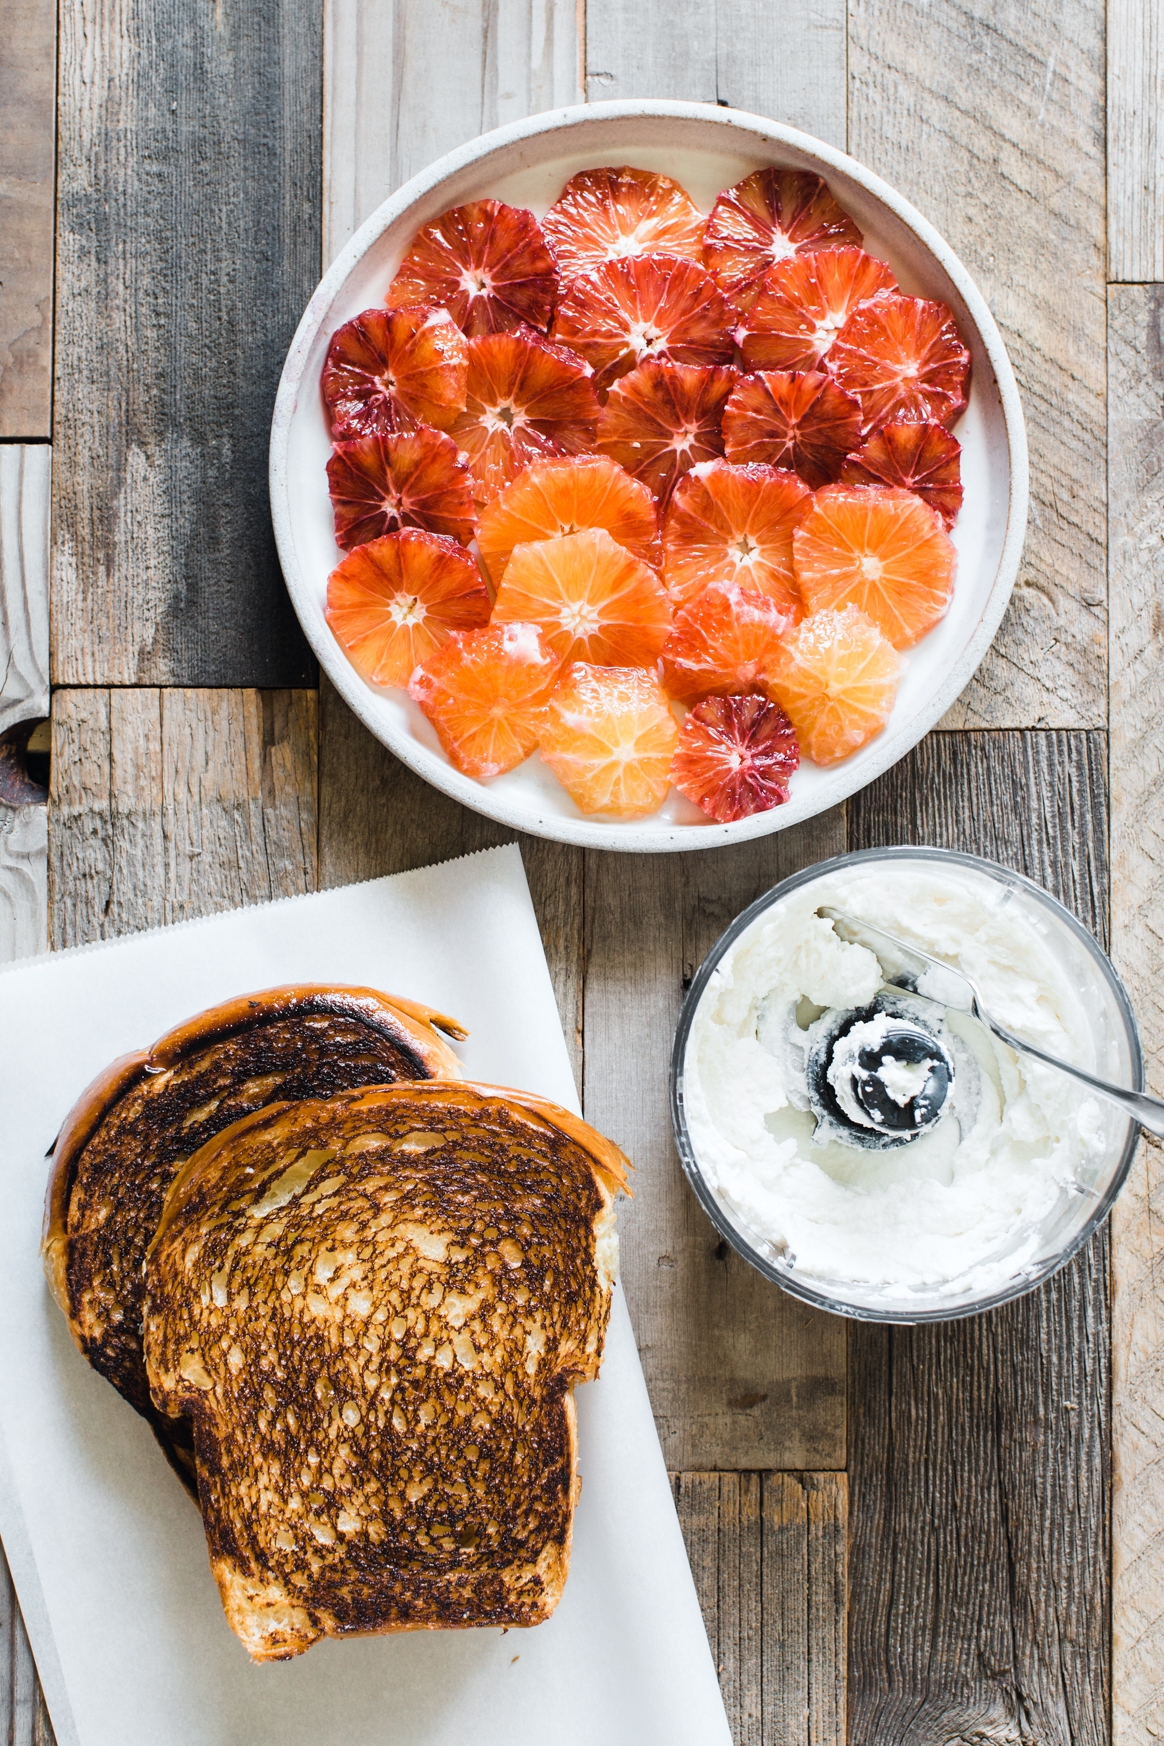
[374, 1309]
[136, 1125]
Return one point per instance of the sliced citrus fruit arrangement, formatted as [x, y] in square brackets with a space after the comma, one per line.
[484, 692]
[592, 600]
[769, 215]
[609, 737]
[879, 549]
[393, 601]
[836, 676]
[602, 215]
[728, 523]
[663, 419]
[654, 306]
[526, 399]
[414, 479]
[394, 369]
[486, 263]
[723, 643]
[923, 458]
[797, 419]
[801, 304]
[904, 360]
[564, 496]
[735, 757]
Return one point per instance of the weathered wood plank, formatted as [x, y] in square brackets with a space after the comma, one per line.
[991, 118]
[24, 1719]
[979, 1449]
[28, 57]
[24, 689]
[188, 243]
[1135, 141]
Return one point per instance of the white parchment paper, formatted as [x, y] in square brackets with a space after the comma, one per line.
[107, 1551]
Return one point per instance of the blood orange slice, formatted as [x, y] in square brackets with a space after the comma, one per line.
[769, 215]
[393, 601]
[526, 400]
[800, 420]
[602, 215]
[486, 263]
[878, 549]
[922, 458]
[415, 479]
[551, 498]
[836, 677]
[484, 692]
[723, 643]
[658, 306]
[734, 524]
[735, 757]
[802, 303]
[904, 360]
[609, 738]
[663, 419]
[393, 369]
[592, 600]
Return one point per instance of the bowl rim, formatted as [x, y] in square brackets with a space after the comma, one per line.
[603, 834]
[710, 1203]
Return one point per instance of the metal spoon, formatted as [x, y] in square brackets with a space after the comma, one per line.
[907, 967]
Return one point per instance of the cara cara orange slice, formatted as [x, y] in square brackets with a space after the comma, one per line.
[391, 602]
[592, 600]
[565, 496]
[609, 738]
[837, 678]
[881, 550]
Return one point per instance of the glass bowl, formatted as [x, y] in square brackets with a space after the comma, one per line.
[1081, 1205]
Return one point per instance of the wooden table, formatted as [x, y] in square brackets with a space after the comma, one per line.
[903, 1537]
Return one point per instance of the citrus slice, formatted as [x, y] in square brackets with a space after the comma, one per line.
[526, 400]
[802, 303]
[723, 643]
[551, 498]
[734, 524]
[768, 216]
[393, 369]
[663, 419]
[904, 360]
[484, 692]
[797, 419]
[414, 479]
[393, 601]
[922, 458]
[656, 306]
[486, 263]
[879, 549]
[591, 599]
[836, 677]
[602, 215]
[609, 737]
[735, 757]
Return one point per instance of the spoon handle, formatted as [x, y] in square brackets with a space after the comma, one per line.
[1143, 1108]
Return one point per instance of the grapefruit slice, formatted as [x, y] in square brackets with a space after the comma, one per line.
[656, 306]
[734, 524]
[551, 498]
[393, 601]
[603, 215]
[414, 479]
[486, 263]
[836, 677]
[904, 360]
[765, 218]
[723, 643]
[922, 458]
[735, 757]
[798, 419]
[609, 738]
[881, 550]
[592, 600]
[663, 419]
[526, 400]
[802, 303]
[484, 692]
[394, 369]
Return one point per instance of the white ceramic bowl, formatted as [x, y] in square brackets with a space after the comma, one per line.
[706, 149]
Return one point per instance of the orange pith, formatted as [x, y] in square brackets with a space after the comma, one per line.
[602, 215]
[800, 420]
[391, 602]
[836, 677]
[486, 263]
[735, 757]
[551, 498]
[881, 550]
[656, 306]
[730, 523]
[904, 360]
[394, 369]
[609, 738]
[923, 458]
[592, 600]
[526, 400]
[769, 215]
[802, 303]
[723, 643]
[484, 692]
[414, 479]
[663, 419]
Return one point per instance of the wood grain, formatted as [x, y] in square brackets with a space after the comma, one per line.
[24, 1718]
[24, 690]
[990, 117]
[28, 56]
[1135, 141]
[979, 1449]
